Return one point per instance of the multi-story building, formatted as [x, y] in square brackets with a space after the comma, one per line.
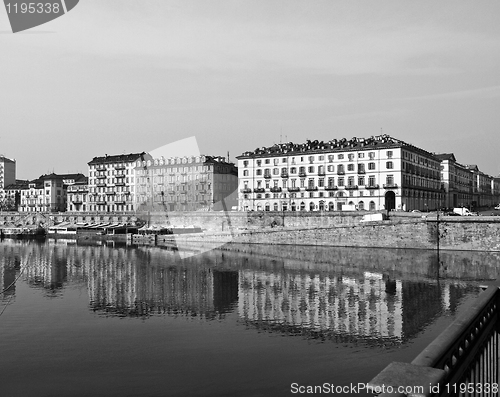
[457, 181]
[7, 177]
[78, 196]
[12, 196]
[111, 182]
[361, 173]
[482, 192]
[186, 183]
[48, 193]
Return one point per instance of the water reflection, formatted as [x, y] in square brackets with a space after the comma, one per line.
[338, 294]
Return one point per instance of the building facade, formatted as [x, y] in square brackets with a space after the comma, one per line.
[361, 173]
[188, 183]
[7, 177]
[78, 196]
[111, 183]
[48, 193]
[457, 181]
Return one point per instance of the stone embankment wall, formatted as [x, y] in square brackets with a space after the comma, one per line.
[342, 229]
[467, 234]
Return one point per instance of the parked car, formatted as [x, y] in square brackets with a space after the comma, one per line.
[497, 207]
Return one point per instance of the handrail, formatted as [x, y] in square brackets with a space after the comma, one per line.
[446, 359]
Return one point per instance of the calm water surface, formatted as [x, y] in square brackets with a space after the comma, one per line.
[84, 320]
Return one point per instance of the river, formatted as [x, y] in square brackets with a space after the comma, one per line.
[253, 320]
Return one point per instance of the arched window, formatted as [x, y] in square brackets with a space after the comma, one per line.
[276, 207]
[372, 206]
[311, 206]
[361, 206]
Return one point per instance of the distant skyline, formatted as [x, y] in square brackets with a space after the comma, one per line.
[121, 76]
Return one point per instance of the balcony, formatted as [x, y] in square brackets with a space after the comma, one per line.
[246, 190]
[276, 189]
[259, 190]
[390, 186]
[119, 167]
[101, 176]
[372, 187]
[321, 173]
[267, 176]
[311, 188]
[340, 172]
[361, 172]
[77, 201]
[101, 184]
[284, 175]
[331, 187]
[351, 187]
[101, 202]
[110, 193]
[100, 168]
[302, 174]
[294, 189]
[120, 184]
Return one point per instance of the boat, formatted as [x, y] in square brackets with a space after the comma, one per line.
[22, 232]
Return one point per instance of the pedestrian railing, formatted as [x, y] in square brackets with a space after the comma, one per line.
[462, 361]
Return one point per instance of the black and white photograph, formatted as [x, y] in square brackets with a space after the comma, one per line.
[252, 198]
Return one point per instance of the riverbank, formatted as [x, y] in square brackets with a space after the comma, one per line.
[447, 233]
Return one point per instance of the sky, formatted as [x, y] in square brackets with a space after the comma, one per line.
[122, 76]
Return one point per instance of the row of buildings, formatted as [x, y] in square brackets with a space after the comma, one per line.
[376, 173]
[126, 183]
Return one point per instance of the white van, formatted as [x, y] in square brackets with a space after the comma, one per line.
[464, 212]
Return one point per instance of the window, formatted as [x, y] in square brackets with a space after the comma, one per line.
[371, 166]
[259, 163]
[350, 181]
[245, 173]
[390, 180]
[293, 170]
[276, 171]
[259, 172]
[350, 156]
[341, 181]
[389, 165]
[361, 180]
[284, 159]
[371, 181]
[340, 169]
[331, 168]
[340, 156]
[321, 158]
[311, 159]
[389, 154]
[302, 170]
[331, 157]
[267, 161]
[331, 181]
[311, 169]
[361, 168]
[321, 182]
[350, 167]
[245, 163]
[361, 155]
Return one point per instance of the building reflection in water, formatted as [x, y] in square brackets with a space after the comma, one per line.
[341, 294]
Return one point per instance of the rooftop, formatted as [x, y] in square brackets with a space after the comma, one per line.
[353, 144]
[118, 158]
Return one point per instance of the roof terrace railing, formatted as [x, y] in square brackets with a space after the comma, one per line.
[462, 361]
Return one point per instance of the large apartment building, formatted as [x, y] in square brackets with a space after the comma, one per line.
[187, 183]
[361, 173]
[111, 182]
